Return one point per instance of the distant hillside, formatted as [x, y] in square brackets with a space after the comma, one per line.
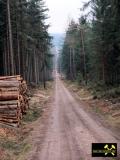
[58, 39]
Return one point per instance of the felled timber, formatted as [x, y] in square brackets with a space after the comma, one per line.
[8, 95]
[7, 84]
[11, 78]
[14, 101]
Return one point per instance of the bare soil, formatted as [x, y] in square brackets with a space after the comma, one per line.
[66, 130]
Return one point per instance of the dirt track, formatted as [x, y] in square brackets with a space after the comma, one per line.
[70, 131]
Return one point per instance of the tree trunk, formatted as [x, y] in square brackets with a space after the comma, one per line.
[44, 78]
[74, 70]
[71, 74]
[84, 56]
[10, 38]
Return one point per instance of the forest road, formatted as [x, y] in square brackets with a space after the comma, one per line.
[70, 131]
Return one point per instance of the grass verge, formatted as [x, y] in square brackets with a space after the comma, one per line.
[103, 104]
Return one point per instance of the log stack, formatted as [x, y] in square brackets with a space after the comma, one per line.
[13, 100]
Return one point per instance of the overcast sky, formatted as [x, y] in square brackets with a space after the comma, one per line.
[61, 11]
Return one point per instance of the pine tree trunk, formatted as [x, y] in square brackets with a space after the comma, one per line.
[84, 56]
[5, 58]
[71, 76]
[44, 78]
[35, 66]
[8, 68]
[10, 38]
[74, 70]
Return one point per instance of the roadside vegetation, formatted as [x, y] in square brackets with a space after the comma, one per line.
[105, 108]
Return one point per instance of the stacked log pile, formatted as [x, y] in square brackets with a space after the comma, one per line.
[13, 100]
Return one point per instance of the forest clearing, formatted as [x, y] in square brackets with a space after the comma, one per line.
[59, 89]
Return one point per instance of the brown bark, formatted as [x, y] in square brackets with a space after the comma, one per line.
[9, 95]
[8, 107]
[9, 120]
[9, 89]
[7, 103]
[16, 77]
[9, 116]
[10, 124]
[7, 84]
[8, 111]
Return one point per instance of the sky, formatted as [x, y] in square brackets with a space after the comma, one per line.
[61, 12]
